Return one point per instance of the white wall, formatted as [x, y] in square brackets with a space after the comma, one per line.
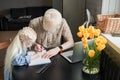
[110, 7]
[117, 10]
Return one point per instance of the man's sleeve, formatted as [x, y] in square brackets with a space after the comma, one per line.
[32, 24]
[66, 30]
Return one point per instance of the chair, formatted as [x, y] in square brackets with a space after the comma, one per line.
[90, 18]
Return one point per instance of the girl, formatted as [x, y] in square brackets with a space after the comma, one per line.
[16, 52]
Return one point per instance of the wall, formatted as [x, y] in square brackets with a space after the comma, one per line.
[94, 7]
[74, 12]
[5, 5]
[103, 7]
[58, 4]
[110, 7]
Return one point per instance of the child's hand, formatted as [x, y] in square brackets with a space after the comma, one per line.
[38, 47]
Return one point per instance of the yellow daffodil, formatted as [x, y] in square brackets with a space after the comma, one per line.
[91, 29]
[84, 40]
[100, 47]
[104, 41]
[81, 28]
[97, 32]
[91, 36]
[91, 53]
[97, 41]
[79, 34]
[86, 34]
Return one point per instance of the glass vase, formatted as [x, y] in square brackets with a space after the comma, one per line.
[91, 66]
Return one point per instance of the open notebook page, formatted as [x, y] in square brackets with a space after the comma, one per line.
[38, 60]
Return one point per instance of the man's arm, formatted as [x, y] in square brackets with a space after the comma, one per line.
[67, 35]
[69, 42]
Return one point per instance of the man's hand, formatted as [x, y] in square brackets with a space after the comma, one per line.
[38, 47]
[51, 52]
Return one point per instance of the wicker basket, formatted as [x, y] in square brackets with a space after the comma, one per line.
[109, 23]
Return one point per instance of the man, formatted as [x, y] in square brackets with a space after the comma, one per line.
[50, 28]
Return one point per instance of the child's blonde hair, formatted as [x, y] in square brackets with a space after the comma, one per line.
[16, 46]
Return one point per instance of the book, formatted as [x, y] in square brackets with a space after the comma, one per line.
[39, 60]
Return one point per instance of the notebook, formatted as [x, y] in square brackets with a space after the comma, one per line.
[38, 60]
[76, 54]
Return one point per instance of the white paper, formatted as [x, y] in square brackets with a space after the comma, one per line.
[38, 60]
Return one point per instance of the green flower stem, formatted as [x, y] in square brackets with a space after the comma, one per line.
[93, 62]
[87, 49]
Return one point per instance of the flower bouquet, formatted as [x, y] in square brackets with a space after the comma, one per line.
[93, 44]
